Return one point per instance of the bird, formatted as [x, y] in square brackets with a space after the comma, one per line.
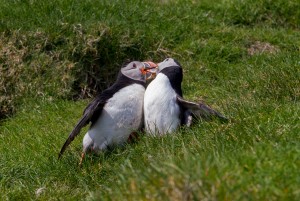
[165, 109]
[114, 113]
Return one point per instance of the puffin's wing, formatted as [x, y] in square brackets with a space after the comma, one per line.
[95, 106]
[199, 110]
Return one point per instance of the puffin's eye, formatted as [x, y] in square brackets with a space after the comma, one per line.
[134, 65]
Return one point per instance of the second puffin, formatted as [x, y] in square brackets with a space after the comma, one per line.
[164, 107]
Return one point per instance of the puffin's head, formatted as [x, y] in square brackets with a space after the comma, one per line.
[137, 70]
[168, 63]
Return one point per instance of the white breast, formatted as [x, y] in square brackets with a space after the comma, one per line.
[161, 111]
[122, 114]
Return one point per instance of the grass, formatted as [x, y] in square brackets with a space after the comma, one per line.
[241, 57]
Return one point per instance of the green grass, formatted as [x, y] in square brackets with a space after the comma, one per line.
[241, 57]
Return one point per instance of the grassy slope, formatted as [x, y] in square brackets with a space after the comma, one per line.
[254, 157]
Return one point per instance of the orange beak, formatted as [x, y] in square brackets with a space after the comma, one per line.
[149, 67]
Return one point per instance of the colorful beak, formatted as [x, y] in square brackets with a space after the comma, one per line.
[150, 69]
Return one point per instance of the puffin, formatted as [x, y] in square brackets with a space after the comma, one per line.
[116, 112]
[165, 109]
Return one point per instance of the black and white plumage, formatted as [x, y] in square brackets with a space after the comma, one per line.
[114, 113]
[164, 108]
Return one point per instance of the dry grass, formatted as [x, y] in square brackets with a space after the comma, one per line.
[259, 47]
[39, 65]
[29, 70]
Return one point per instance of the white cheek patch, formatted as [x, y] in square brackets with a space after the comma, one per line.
[135, 74]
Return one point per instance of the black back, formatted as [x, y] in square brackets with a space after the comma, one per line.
[121, 82]
[175, 75]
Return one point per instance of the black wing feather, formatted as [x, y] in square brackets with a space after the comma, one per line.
[200, 110]
[96, 105]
